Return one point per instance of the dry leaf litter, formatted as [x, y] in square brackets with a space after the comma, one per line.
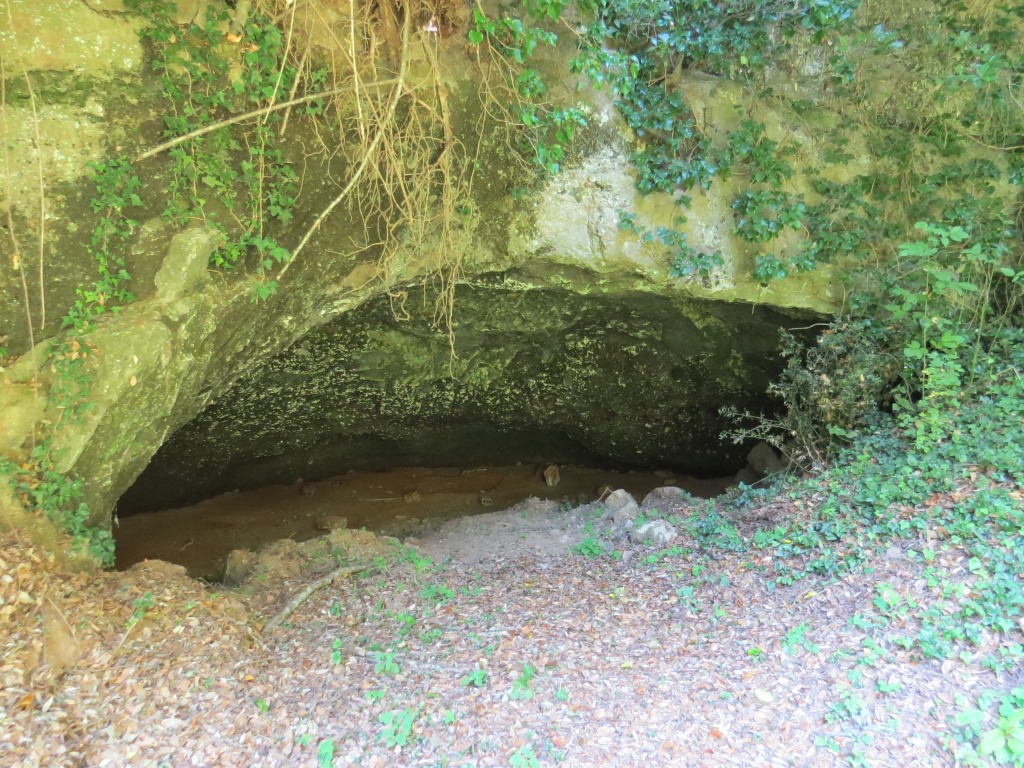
[510, 649]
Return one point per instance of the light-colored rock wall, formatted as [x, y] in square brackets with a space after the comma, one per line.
[92, 39]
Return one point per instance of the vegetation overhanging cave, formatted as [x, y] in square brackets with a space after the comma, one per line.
[623, 381]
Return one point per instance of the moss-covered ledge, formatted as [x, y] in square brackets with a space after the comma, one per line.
[150, 369]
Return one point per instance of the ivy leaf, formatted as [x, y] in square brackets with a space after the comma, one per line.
[992, 742]
[917, 248]
[325, 753]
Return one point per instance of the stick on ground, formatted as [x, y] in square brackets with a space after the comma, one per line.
[279, 618]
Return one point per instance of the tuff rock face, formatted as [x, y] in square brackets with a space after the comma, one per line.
[571, 339]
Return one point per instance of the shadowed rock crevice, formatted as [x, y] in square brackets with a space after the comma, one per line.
[541, 374]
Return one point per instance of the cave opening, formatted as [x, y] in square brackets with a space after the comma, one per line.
[375, 419]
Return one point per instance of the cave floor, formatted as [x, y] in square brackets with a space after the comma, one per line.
[511, 648]
[401, 502]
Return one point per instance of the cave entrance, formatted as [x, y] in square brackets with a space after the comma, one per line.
[371, 418]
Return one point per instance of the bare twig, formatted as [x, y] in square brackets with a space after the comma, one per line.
[284, 61]
[281, 616]
[979, 142]
[299, 69]
[39, 168]
[255, 113]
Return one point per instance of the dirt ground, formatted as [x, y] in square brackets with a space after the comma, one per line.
[486, 641]
[398, 502]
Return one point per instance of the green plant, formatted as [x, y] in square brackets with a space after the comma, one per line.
[890, 603]
[385, 663]
[41, 487]
[521, 689]
[591, 546]
[398, 726]
[406, 621]
[38, 483]
[714, 530]
[117, 188]
[142, 606]
[1005, 742]
[668, 553]
[886, 687]
[828, 391]
[685, 261]
[421, 563]
[241, 166]
[688, 596]
[431, 635]
[546, 131]
[325, 753]
[797, 637]
[229, 99]
[437, 593]
[524, 758]
[849, 707]
[195, 77]
[478, 678]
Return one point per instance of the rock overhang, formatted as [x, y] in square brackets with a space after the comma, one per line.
[538, 373]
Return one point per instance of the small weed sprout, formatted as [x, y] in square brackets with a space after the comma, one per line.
[436, 593]
[797, 637]
[521, 690]
[398, 726]
[325, 753]
[591, 546]
[885, 687]
[477, 678]
[385, 663]
[142, 606]
[524, 758]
